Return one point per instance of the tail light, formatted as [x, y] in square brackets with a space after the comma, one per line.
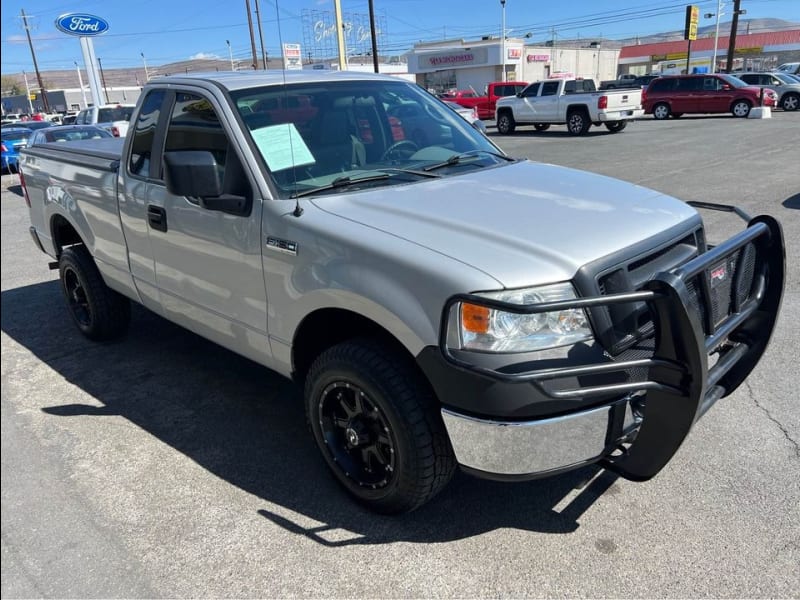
[22, 185]
[3, 147]
[602, 102]
[644, 94]
[114, 131]
[474, 113]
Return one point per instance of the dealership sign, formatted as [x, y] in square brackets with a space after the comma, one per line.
[81, 24]
[537, 58]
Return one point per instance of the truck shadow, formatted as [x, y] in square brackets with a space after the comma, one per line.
[245, 424]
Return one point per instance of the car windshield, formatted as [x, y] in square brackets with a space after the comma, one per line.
[785, 78]
[348, 135]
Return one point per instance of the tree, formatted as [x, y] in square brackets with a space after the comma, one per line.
[9, 86]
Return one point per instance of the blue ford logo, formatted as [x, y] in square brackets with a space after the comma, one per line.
[81, 24]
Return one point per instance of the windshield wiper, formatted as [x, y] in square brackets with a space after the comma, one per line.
[409, 171]
[457, 158]
[341, 182]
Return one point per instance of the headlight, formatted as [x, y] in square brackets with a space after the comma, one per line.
[491, 330]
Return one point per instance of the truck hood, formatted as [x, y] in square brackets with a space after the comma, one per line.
[522, 224]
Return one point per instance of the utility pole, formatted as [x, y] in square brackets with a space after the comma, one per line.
[42, 91]
[261, 35]
[146, 72]
[732, 40]
[374, 38]
[503, 38]
[252, 35]
[230, 53]
[337, 6]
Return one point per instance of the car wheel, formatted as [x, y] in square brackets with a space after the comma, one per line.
[661, 111]
[790, 102]
[506, 123]
[577, 123]
[100, 313]
[541, 126]
[378, 426]
[616, 126]
[740, 108]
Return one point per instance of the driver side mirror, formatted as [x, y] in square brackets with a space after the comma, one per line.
[726, 86]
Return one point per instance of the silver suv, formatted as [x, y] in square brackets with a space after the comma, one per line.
[787, 88]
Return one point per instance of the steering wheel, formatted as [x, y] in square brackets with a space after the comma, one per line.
[411, 148]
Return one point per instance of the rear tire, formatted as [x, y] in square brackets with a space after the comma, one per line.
[661, 111]
[616, 126]
[378, 426]
[740, 109]
[100, 313]
[541, 126]
[506, 123]
[578, 122]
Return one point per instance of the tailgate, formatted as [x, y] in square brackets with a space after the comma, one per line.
[624, 99]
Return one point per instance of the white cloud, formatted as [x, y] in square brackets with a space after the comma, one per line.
[204, 56]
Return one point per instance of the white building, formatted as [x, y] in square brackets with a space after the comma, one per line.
[460, 64]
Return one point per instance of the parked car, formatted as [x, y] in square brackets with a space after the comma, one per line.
[787, 86]
[35, 125]
[113, 117]
[674, 95]
[67, 133]
[792, 67]
[13, 138]
[469, 114]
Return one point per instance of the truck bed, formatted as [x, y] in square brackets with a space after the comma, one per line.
[101, 154]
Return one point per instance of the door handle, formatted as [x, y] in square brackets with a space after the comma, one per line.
[157, 217]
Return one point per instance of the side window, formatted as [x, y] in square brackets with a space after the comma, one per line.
[710, 83]
[550, 88]
[195, 125]
[144, 133]
[569, 87]
[532, 90]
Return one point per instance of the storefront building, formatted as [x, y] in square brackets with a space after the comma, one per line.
[754, 52]
[463, 65]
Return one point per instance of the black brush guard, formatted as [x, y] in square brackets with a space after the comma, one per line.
[691, 323]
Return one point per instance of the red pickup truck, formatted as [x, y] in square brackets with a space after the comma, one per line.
[485, 104]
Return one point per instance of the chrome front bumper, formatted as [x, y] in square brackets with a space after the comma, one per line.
[531, 448]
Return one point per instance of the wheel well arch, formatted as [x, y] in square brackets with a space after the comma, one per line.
[736, 101]
[327, 327]
[578, 108]
[63, 233]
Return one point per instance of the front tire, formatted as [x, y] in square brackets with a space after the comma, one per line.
[100, 313]
[506, 123]
[378, 426]
[616, 126]
[740, 109]
[790, 102]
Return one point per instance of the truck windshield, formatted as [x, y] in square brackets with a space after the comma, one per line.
[310, 135]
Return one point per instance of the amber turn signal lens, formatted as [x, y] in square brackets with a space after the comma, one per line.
[474, 318]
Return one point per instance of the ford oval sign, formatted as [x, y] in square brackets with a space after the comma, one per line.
[81, 24]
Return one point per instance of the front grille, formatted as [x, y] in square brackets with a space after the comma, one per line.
[618, 327]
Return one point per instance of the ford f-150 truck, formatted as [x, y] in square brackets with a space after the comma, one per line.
[574, 102]
[485, 105]
[441, 305]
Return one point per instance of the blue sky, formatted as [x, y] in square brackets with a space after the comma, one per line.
[173, 30]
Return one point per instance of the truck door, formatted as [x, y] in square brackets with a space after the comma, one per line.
[528, 108]
[547, 102]
[208, 265]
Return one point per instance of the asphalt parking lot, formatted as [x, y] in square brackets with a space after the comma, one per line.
[164, 466]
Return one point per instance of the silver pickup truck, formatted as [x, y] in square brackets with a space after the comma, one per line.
[439, 302]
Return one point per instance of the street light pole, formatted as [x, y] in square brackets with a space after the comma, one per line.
[503, 37]
[80, 82]
[230, 53]
[716, 35]
[146, 74]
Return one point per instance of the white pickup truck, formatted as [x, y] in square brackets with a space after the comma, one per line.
[574, 102]
[439, 302]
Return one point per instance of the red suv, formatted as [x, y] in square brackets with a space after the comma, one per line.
[678, 94]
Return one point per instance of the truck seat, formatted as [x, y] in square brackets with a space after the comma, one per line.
[335, 147]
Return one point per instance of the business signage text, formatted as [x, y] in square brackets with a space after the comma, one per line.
[81, 24]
